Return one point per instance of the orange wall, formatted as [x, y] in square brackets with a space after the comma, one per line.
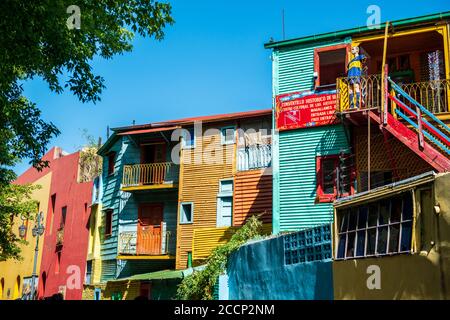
[199, 183]
[252, 196]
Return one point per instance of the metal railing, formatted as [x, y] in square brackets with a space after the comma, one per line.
[148, 242]
[255, 157]
[433, 95]
[370, 92]
[147, 174]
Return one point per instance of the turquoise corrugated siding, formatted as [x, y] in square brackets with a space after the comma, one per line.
[293, 67]
[292, 70]
[297, 176]
[125, 206]
[111, 199]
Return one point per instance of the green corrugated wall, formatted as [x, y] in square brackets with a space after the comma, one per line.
[293, 67]
[294, 152]
[298, 149]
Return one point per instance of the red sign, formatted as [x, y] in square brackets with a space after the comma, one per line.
[302, 110]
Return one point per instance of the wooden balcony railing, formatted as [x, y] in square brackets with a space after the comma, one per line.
[147, 242]
[254, 157]
[149, 174]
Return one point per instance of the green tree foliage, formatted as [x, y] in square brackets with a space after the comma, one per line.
[42, 38]
[200, 284]
[17, 199]
[90, 161]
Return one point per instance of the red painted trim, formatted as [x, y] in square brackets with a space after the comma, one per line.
[412, 114]
[408, 137]
[328, 48]
[325, 197]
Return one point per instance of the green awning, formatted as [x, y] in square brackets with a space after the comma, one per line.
[158, 275]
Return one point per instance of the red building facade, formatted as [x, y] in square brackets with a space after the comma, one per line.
[63, 263]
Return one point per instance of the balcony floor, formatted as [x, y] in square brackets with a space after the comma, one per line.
[146, 257]
[150, 187]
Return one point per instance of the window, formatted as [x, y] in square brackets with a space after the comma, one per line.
[58, 262]
[111, 162]
[186, 212]
[227, 135]
[108, 222]
[97, 294]
[188, 138]
[327, 172]
[25, 223]
[87, 278]
[63, 217]
[225, 203]
[53, 201]
[375, 229]
[329, 64]
[2, 287]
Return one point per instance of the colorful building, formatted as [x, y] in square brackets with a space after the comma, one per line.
[357, 150]
[158, 201]
[225, 178]
[392, 243]
[64, 203]
[15, 275]
[92, 289]
[62, 268]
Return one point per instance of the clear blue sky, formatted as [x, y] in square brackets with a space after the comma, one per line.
[211, 61]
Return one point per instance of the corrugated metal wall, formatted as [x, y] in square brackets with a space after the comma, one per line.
[292, 70]
[199, 183]
[297, 208]
[252, 195]
[293, 67]
[206, 240]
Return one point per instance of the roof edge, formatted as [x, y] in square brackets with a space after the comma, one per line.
[348, 32]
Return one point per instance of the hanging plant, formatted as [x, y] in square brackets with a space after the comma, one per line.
[200, 284]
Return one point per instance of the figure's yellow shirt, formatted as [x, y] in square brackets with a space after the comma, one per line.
[355, 64]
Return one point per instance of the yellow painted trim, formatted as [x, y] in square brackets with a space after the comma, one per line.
[357, 41]
[446, 37]
[157, 257]
[383, 75]
[151, 187]
[180, 195]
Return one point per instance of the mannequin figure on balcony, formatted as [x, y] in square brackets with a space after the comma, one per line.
[355, 70]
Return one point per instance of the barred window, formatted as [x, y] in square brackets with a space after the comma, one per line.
[379, 228]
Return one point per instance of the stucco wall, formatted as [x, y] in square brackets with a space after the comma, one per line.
[257, 271]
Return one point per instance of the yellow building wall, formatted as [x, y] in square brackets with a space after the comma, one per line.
[11, 269]
[199, 183]
[425, 274]
[128, 290]
[95, 229]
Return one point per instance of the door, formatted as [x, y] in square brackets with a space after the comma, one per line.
[225, 209]
[149, 229]
[152, 158]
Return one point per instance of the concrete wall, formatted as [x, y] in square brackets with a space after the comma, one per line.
[257, 271]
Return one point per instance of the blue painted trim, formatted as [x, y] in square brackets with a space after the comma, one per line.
[428, 113]
[426, 134]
